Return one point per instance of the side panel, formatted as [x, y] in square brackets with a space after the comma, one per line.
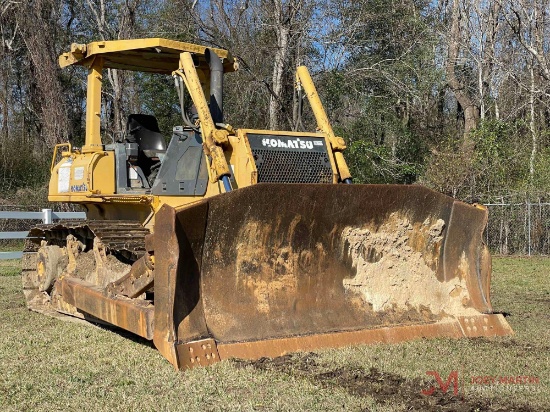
[103, 177]
[80, 175]
[183, 171]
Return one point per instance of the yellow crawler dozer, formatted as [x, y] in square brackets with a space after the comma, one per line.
[246, 243]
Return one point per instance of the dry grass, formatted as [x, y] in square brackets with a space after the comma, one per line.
[9, 267]
[49, 365]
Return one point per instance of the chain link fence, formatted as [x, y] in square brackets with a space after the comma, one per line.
[520, 228]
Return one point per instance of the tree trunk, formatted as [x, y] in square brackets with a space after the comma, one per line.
[119, 123]
[532, 126]
[471, 110]
[38, 33]
[282, 31]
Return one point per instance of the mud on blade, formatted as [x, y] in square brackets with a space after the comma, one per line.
[281, 263]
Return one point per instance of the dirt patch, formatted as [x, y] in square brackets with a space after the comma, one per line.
[532, 298]
[274, 274]
[84, 266]
[396, 267]
[385, 388]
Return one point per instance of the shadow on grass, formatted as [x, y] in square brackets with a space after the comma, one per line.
[122, 332]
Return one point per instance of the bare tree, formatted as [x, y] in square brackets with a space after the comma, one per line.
[287, 23]
[530, 25]
[115, 20]
[484, 26]
[37, 25]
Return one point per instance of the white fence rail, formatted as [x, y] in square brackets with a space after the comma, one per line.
[47, 216]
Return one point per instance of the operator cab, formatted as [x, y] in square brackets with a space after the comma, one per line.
[145, 165]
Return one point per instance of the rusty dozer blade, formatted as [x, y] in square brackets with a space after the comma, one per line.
[276, 268]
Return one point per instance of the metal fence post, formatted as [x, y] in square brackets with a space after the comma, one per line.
[48, 218]
[529, 228]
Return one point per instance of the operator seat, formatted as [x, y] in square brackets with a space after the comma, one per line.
[143, 130]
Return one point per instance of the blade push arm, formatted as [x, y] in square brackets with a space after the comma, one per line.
[213, 138]
[303, 80]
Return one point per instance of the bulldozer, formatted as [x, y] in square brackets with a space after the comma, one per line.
[220, 242]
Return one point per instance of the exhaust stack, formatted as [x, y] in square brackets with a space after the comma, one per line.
[216, 85]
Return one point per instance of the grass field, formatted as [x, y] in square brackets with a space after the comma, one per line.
[50, 365]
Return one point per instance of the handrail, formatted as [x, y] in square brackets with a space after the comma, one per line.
[54, 157]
